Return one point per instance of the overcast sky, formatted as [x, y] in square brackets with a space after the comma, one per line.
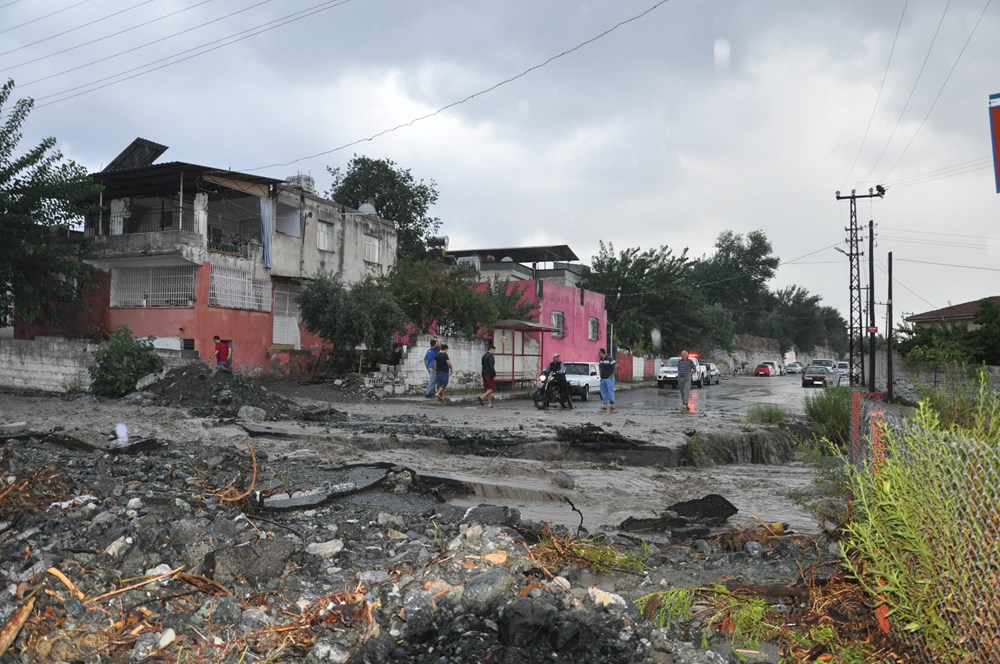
[692, 119]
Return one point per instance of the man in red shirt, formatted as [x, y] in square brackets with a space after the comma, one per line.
[221, 354]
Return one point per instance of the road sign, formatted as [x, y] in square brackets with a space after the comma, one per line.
[872, 330]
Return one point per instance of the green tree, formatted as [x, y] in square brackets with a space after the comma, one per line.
[509, 301]
[396, 195]
[835, 335]
[984, 341]
[647, 290]
[736, 277]
[42, 196]
[430, 291]
[366, 313]
[935, 345]
[120, 362]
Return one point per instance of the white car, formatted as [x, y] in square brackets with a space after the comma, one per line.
[775, 367]
[583, 378]
[844, 368]
[667, 373]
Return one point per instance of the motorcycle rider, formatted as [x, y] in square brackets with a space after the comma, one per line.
[558, 370]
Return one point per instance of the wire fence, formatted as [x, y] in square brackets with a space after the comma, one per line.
[932, 499]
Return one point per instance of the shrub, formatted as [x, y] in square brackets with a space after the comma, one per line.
[766, 414]
[120, 362]
[829, 415]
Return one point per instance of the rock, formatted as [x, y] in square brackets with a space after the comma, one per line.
[710, 510]
[418, 611]
[148, 381]
[251, 413]
[525, 621]
[487, 591]
[256, 562]
[326, 549]
[493, 515]
[374, 577]
[563, 479]
[328, 651]
[166, 638]
[754, 549]
[604, 598]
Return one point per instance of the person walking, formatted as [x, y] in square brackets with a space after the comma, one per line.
[443, 365]
[221, 354]
[606, 367]
[431, 369]
[685, 368]
[489, 377]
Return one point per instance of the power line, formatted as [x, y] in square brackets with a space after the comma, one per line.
[12, 2]
[940, 90]
[913, 292]
[987, 160]
[968, 267]
[912, 90]
[907, 230]
[94, 41]
[928, 180]
[285, 20]
[41, 18]
[939, 243]
[136, 48]
[469, 98]
[877, 97]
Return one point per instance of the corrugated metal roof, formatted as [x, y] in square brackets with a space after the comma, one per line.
[543, 254]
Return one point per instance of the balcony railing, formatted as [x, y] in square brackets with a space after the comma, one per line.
[236, 237]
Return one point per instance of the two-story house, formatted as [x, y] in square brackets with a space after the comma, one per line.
[571, 320]
[189, 252]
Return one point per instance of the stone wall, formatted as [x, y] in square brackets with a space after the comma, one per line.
[55, 364]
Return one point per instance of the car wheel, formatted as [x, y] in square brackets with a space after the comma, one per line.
[585, 394]
[660, 384]
[700, 383]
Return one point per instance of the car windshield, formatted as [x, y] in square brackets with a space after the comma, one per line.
[815, 369]
[841, 365]
[577, 368]
[672, 362]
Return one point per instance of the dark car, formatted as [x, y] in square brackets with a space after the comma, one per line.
[819, 376]
[762, 370]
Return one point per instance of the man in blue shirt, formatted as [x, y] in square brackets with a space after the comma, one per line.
[429, 358]
[606, 366]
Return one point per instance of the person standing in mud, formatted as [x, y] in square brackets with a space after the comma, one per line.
[431, 368]
[221, 353]
[685, 369]
[489, 377]
[443, 365]
[606, 367]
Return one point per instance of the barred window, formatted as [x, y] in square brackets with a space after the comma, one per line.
[286, 315]
[371, 249]
[324, 236]
[237, 289]
[558, 320]
[171, 286]
[593, 329]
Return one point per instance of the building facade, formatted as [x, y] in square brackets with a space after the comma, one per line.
[188, 252]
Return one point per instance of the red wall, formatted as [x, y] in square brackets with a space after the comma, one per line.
[574, 345]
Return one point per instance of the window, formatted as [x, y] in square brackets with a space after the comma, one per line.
[558, 320]
[152, 286]
[324, 236]
[371, 249]
[237, 289]
[593, 329]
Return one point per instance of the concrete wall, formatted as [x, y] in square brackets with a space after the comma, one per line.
[54, 364]
[300, 257]
[410, 376]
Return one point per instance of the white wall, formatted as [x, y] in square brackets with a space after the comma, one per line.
[466, 365]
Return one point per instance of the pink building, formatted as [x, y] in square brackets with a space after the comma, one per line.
[570, 320]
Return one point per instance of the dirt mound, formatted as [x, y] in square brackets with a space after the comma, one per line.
[206, 391]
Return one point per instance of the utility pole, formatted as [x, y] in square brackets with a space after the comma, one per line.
[888, 336]
[855, 329]
[872, 333]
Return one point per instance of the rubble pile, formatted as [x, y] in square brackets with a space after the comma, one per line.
[188, 552]
[206, 391]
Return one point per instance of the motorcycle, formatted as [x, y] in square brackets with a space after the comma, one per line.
[547, 392]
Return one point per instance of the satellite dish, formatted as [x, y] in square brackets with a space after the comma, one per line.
[506, 259]
[367, 208]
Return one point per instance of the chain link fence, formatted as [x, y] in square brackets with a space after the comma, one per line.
[925, 519]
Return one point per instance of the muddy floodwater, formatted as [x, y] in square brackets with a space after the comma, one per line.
[509, 455]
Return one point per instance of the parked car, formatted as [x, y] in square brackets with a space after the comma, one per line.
[824, 362]
[844, 368]
[583, 378]
[820, 376]
[712, 373]
[762, 370]
[667, 373]
[793, 368]
[775, 367]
